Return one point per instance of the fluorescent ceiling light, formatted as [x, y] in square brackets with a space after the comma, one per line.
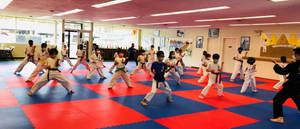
[69, 12]
[4, 3]
[285, 23]
[160, 23]
[240, 25]
[237, 18]
[260, 24]
[44, 17]
[118, 19]
[278, 0]
[110, 3]
[192, 11]
[197, 26]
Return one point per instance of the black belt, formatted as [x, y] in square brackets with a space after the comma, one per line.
[51, 69]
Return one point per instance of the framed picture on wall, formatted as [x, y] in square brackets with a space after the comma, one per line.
[213, 32]
[199, 42]
[245, 43]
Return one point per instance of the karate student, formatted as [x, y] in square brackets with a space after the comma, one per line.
[64, 54]
[250, 76]
[282, 78]
[52, 74]
[43, 55]
[121, 71]
[81, 58]
[290, 89]
[172, 63]
[115, 56]
[96, 64]
[142, 64]
[214, 70]
[151, 56]
[159, 68]
[202, 58]
[205, 64]
[238, 66]
[29, 52]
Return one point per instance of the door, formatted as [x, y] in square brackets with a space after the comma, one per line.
[72, 41]
[229, 49]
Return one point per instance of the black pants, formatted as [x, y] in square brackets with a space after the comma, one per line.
[289, 90]
[132, 58]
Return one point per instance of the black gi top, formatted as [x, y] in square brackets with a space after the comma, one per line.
[292, 69]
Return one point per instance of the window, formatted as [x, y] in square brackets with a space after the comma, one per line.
[113, 37]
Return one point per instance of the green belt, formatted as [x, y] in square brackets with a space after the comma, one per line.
[121, 69]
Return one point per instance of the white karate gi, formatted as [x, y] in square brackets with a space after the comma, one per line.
[141, 65]
[214, 79]
[201, 67]
[172, 62]
[238, 67]
[81, 59]
[42, 56]
[282, 78]
[113, 66]
[121, 71]
[29, 57]
[95, 65]
[205, 73]
[249, 78]
[52, 74]
[64, 54]
[151, 57]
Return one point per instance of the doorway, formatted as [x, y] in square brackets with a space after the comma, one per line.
[72, 42]
[229, 49]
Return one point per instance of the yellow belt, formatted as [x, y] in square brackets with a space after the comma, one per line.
[43, 61]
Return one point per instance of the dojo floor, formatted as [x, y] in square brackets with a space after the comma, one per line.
[94, 106]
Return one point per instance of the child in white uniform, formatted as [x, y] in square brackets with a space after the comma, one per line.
[202, 58]
[81, 58]
[250, 76]
[52, 74]
[205, 64]
[64, 54]
[115, 56]
[282, 78]
[159, 68]
[142, 64]
[151, 55]
[214, 70]
[96, 64]
[43, 55]
[238, 66]
[29, 53]
[172, 62]
[121, 71]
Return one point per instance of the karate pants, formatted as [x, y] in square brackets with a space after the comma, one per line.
[39, 68]
[212, 81]
[237, 70]
[94, 67]
[199, 70]
[280, 83]
[139, 67]
[24, 62]
[150, 61]
[174, 73]
[160, 85]
[205, 73]
[53, 75]
[79, 61]
[249, 80]
[116, 76]
[67, 59]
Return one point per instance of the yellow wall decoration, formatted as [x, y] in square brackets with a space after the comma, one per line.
[298, 43]
[273, 40]
[282, 40]
[293, 40]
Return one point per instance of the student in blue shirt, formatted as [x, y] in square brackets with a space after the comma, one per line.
[131, 54]
[159, 69]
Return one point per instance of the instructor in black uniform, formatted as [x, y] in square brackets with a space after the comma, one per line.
[291, 88]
